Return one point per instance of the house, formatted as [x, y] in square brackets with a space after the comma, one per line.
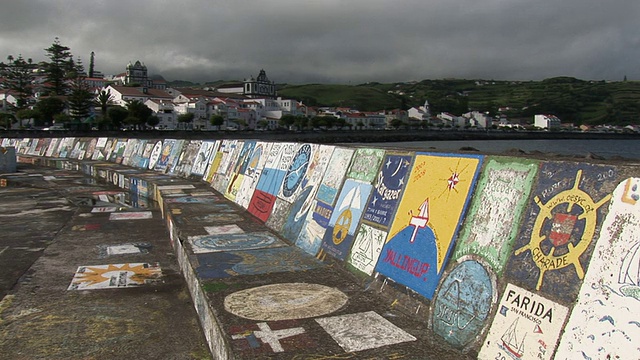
[479, 119]
[121, 95]
[546, 121]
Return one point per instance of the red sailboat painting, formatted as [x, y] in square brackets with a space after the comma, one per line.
[510, 341]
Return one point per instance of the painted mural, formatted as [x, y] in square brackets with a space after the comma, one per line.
[233, 242]
[203, 156]
[296, 172]
[334, 175]
[229, 155]
[427, 220]
[237, 171]
[314, 227]
[344, 221]
[496, 210]
[154, 157]
[554, 244]
[252, 174]
[115, 276]
[387, 189]
[189, 157]
[303, 201]
[604, 323]
[264, 197]
[526, 326]
[366, 248]
[252, 262]
[365, 164]
[463, 302]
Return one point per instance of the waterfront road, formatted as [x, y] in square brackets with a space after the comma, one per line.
[64, 283]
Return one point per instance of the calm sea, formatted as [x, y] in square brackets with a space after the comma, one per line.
[608, 149]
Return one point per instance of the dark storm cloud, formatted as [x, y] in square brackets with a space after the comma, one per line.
[337, 41]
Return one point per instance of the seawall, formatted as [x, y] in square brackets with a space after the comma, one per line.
[498, 256]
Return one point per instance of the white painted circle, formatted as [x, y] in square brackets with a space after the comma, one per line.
[286, 301]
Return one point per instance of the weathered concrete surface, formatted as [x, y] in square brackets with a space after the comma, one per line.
[496, 278]
[47, 234]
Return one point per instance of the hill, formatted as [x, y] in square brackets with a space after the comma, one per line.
[572, 100]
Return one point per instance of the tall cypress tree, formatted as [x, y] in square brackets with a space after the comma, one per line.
[58, 68]
[80, 99]
[17, 75]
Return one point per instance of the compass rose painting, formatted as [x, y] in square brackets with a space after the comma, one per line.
[426, 222]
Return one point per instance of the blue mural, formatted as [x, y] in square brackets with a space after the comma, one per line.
[388, 189]
[351, 203]
[253, 262]
[463, 303]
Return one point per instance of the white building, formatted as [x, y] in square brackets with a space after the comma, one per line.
[421, 113]
[546, 121]
[479, 119]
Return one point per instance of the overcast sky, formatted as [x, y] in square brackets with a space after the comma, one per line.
[331, 41]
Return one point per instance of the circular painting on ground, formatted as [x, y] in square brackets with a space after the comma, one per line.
[285, 301]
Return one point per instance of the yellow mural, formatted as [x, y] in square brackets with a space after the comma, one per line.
[438, 187]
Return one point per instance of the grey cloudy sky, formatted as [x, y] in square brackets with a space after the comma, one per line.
[332, 41]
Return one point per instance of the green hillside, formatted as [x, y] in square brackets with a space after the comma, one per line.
[572, 100]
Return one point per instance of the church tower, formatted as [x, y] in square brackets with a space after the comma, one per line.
[261, 87]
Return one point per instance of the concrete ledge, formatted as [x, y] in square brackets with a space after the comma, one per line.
[461, 256]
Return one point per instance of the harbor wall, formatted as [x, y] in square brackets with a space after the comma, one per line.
[498, 255]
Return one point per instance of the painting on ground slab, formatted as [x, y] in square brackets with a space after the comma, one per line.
[604, 322]
[253, 262]
[526, 326]
[495, 212]
[387, 189]
[563, 218]
[345, 219]
[334, 175]
[427, 220]
[115, 276]
[233, 242]
[362, 331]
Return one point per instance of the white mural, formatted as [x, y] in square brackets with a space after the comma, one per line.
[605, 323]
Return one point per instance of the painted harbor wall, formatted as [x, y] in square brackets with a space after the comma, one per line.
[507, 257]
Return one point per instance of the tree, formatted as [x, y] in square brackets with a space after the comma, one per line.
[153, 121]
[263, 124]
[80, 99]
[57, 69]
[49, 107]
[7, 120]
[396, 123]
[104, 99]
[117, 114]
[18, 77]
[28, 114]
[139, 111]
[287, 120]
[216, 120]
[301, 122]
[186, 118]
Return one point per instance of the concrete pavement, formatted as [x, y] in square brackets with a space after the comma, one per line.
[48, 233]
